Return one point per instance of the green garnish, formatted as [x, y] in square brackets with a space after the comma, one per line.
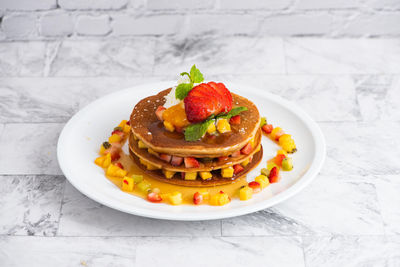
[118, 129]
[106, 145]
[263, 121]
[196, 131]
[232, 113]
[183, 89]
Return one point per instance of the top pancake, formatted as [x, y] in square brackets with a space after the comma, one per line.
[150, 130]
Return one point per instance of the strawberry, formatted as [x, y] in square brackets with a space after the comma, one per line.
[197, 198]
[246, 149]
[222, 90]
[119, 164]
[255, 186]
[267, 128]
[176, 161]
[118, 130]
[165, 157]
[220, 159]
[191, 162]
[235, 120]
[278, 159]
[154, 197]
[159, 112]
[114, 150]
[274, 175]
[128, 123]
[237, 168]
[235, 154]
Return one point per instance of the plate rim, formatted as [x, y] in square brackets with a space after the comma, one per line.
[316, 163]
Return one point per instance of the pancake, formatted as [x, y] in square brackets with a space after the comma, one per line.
[146, 127]
[204, 166]
[216, 180]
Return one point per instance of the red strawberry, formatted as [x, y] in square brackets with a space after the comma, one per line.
[119, 132]
[237, 168]
[128, 123]
[197, 198]
[220, 159]
[225, 95]
[191, 162]
[165, 157]
[119, 164]
[267, 128]
[154, 197]
[255, 186]
[235, 120]
[159, 112]
[246, 149]
[235, 154]
[176, 161]
[278, 159]
[274, 175]
[198, 108]
[114, 150]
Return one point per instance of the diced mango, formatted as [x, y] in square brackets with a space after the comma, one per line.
[141, 144]
[276, 132]
[287, 143]
[168, 174]
[211, 128]
[114, 138]
[176, 115]
[252, 142]
[137, 178]
[257, 149]
[127, 129]
[245, 193]
[127, 184]
[190, 175]
[169, 126]
[227, 172]
[219, 199]
[151, 151]
[143, 186]
[151, 167]
[245, 162]
[262, 180]
[270, 165]
[281, 151]
[122, 124]
[135, 137]
[142, 161]
[107, 161]
[205, 175]
[175, 198]
[223, 126]
[100, 160]
[115, 171]
[102, 150]
[205, 194]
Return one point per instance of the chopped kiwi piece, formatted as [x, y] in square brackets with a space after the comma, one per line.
[263, 121]
[118, 129]
[106, 145]
[137, 178]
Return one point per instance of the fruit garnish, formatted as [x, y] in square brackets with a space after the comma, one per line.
[237, 168]
[223, 158]
[119, 164]
[154, 197]
[165, 157]
[106, 145]
[278, 159]
[262, 180]
[235, 120]
[235, 154]
[118, 128]
[274, 175]
[276, 133]
[176, 161]
[263, 121]
[191, 162]
[267, 128]
[245, 193]
[255, 186]
[159, 112]
[246, 149]
[287, 164]
[197, 198]
[183, 89]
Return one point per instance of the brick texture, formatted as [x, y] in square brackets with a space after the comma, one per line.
[179, 4]
[93, 25]
[17, 26]
[153, 25]
[59, 24]
[254, 4]
[28, 5]
[92, 4]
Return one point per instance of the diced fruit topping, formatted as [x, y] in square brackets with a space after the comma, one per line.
[255, 186]
[211, 128]
[141, 144]
[100, 160]
[245, 162]
[127, 129]
[123, 123]
[237, 168]
[144, 186]
[274, 175]
[127, 184]
[119, 164]
[205, 175]
[287, 143]
[276, 133]
[227, 172]
[262, 180]
[220, 199]
[176, 161]
[263, 121]
[107, 160]
[222, 159]
[246, 150]
[137, 178]
[151, 151]
[235, 154]
[175, 198]
[159, 112]
[165, 157]
[245, 193]
[190, 175]
[270, 165]
[115, 171]
[128, 123]
[197, 198]
[287, 164]
[176, 115]
[223, 126]
[169, 126]
[191, 162]
[267, 128]
[235, 120]
[281, 151]
[114, 138]
[154, 197]
[265, 171]
[118, 130]
[106, 145]
[168, 174]
[151, 167]
[278, 159]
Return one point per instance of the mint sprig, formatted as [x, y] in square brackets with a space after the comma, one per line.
[233, 112]
[195, 76]
[196, 131]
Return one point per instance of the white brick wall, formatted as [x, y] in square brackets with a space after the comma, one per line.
[53, 19]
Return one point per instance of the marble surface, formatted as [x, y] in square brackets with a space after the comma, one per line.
[348, 216]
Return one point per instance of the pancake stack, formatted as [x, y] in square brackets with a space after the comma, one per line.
[150, 144]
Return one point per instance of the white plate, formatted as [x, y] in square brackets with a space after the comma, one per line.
[80, 139]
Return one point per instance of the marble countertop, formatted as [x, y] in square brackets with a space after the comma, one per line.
[349, 216]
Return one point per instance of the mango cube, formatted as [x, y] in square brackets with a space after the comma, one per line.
[115, 171]
[262, 180]
[227, 172]
[219, 199]
[127, 129]
[169, 126]
[205, 175]
[245, 193]
[100, 160]
[211, 128]
[245, 162]
[175, 198]
[141, 144]
[281, 151]
[102, 150]
[168, 174]
[144, 186]
[151, 151]
[223, 126]
[257, 149]
[151, 167]
[127, 184]
[190, 175]
[270, 165]
[114, 138]
[252, 142]
[122, 124]
[137, 178]
[205, 194]
[287, 164]
[142, 161]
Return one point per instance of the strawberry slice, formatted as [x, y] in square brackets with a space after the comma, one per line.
[274, 175]
[159, 112]
[237, 168]
[267, 128]
[227, 96]
[154, 197]
[191, 162]
[235, 154]
[114, 150]
[165, 157]
[221, 159]
[255, 186]
[119, 164]
[278, 159]
[197, 198]
[235, 120]
[246, 149]
[176, 161]
[118, 131]
[198, 108]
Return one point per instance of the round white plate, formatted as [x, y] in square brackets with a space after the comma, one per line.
[81, 137]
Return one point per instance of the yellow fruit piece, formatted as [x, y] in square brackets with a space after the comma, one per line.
[257, 149]
[114, 138]
[135, 137]
[223, 126]
[205, 194]
[169, 126]
[107, 161]
[127, 129]
[151, 151]
[227, 172]
[287, 143]
[287, 164]
[219, 199]
[144, 186]
[252, 142]
[190, 175]
[100, 160]
[285, 137]
[141, 144]
[211, 129]
[245, 162]
[281, 152]
[151, 167]
[262, 180]
[270, 165]
[142, 161]
[176, 115]
[115, 171]
[245, 193]
[122, 124]
[175, 198]
[275, 131]
[102, 150]
[127, 184]
[168, 174]
[205, 175]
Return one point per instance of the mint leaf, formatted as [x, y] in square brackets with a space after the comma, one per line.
[182, 90]
[196, 131]
[232, 113]
[195, 75]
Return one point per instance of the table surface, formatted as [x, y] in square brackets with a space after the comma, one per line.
[348, 216]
